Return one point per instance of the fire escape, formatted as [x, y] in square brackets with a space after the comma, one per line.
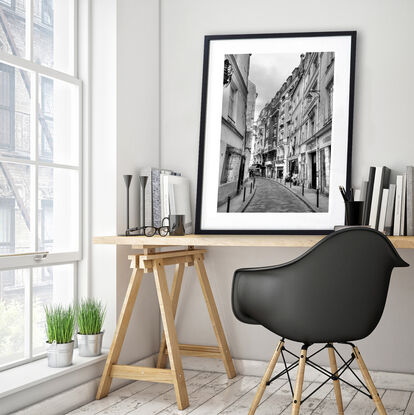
[45, 129]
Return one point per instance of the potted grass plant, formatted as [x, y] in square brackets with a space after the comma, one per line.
[91, 315]
[60, 327]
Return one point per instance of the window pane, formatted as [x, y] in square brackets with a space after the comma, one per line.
[12, 310]
[12, 27]
[53, 33]
[14, 112]
[16, 232]
[58, 122]
[51, 285]
[58, 209]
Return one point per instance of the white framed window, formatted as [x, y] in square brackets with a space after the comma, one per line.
[40, 170]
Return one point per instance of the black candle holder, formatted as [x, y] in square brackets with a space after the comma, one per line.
[127, 180]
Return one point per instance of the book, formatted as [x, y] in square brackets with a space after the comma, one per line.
[389, 216]
[179, 199]
[156, 195]
[381, 182]
[175, 198]
[368, 198]
[364, 187]
[383, 211]
[397, 210]
[149, 172]
[410, 200]
[403, 204]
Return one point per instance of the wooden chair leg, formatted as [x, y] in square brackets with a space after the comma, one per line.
[214, 316]
[299, 383]
[121, 329]
[337, 386]
[175, 293]
[167, 316]
[370, 384]
[265, 378]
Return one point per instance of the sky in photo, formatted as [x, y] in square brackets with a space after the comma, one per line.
[268, 72]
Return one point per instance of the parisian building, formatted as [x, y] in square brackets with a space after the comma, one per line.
[239, 97]
[293, 131]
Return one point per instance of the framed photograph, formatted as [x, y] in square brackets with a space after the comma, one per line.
[276, 133]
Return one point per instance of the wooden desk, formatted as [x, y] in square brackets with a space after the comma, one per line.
[148, 260]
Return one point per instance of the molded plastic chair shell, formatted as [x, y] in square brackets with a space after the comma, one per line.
[334, 292]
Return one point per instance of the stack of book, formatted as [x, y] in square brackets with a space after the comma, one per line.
[388, 207]
[167, 193]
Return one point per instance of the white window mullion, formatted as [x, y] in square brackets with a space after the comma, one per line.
[34, 130]
[28, 314]
[29, 30]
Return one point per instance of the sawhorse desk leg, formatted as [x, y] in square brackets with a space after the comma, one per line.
[220, 352]
[156, 262]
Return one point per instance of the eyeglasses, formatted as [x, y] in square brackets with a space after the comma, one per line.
[150, 230]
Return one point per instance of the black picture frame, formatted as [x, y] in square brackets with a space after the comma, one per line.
[202, 138]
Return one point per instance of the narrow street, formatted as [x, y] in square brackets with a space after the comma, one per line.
[271, 196]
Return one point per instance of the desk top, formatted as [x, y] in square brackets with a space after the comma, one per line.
[231, 240]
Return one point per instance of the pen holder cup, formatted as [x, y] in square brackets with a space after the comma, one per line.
[354, 213]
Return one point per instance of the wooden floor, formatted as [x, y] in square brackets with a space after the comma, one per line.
[212, 393]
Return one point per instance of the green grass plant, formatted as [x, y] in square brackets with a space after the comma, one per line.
[91, 315]
[60, 323]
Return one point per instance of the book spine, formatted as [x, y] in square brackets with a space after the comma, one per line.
[389, 216]
[156, 198]
[375, 202]
[397, 213]
[384, 202]
[410, 200]
[364, 187]
[368, 199]
[403, 205]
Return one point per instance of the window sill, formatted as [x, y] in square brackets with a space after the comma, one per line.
[34, 373]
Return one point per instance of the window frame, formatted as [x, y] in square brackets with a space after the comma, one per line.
[30, 260]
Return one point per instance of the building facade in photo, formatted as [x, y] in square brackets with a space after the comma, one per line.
[234, 126]
[293, 140]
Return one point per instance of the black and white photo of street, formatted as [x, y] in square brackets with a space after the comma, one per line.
[275, 144]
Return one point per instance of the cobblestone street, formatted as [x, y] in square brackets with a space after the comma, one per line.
[271, 196]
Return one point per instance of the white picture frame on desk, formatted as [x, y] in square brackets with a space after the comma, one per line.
[278, 192]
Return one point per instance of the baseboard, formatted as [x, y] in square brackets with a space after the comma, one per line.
[74, 398]
[382, 380]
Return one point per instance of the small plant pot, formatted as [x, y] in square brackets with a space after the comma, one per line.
[59, 355]
[90, 344]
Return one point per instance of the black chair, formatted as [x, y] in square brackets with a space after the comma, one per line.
[333, 293]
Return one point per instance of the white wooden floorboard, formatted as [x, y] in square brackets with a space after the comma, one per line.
[242, 406]
[311, 403]
[278, 401]
[140, 398]
[362, 405]
[213, 393]
[168, 399]
[113, 398]
[328, 405]
[202, 395]
[410, 407]
[395, 402]
[226, 397]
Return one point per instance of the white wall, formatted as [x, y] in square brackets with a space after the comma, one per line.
[382, 135]
[124, 113]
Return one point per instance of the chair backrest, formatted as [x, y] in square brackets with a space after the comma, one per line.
[334, 292]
